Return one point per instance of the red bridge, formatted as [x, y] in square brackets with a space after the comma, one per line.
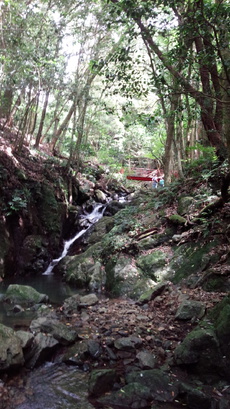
[145, 175]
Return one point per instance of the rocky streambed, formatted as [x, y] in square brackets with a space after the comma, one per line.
[118, 353]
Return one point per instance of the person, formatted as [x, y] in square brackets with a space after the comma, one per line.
[155, 183]
[161, 182]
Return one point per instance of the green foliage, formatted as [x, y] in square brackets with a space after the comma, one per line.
[18, 202]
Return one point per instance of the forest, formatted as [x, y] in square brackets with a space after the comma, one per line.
[114, 204]
[118, 79]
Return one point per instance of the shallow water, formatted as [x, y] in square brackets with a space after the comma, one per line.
[52, 285]
[55, 386]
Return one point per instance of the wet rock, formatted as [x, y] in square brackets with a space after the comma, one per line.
[77, 354]
[113, 207]
[128, 343]
[101, 381]
[42, 350]
[11, 354]
[132, 396]
[101, 197]
[190, 309]
[94, 349]
[197, 399]
[24, 295]
[146, 360]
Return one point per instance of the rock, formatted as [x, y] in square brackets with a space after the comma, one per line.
[146, 359]
[186, 205]
[196, 349]
[128, 343]
[80, 269]
[101, 381]
[87, 300]
[61, 332]
[77, 354]
[191, 259]
[101, 197]
[94, 348]
[100, 229]
[177, 219]
[24, 295]
[124, 278]
[190, 309]
[113, 207]
[163, 388]
[26, 338]
[153, 292]
[131, 396]
[11, 354]
[152, 262]
[71, 304]
[43, 349]
[197, 399]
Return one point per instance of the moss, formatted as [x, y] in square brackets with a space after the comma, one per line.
[177, 219]
[191, 258]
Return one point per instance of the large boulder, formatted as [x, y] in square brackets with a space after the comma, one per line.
[11, 354]
[151, 263]
[124, 278]
[195, 352]
[23, 295]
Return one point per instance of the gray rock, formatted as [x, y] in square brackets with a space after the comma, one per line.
[43, 348]
[87, 300]
[11, 354]
[146, 360]
[26, 338]
[190, 309]
[62, 333]
[128, 343]
[131, 396]
[163, 388]
[77, 354]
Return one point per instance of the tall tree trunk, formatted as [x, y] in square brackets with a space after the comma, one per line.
[43, 115]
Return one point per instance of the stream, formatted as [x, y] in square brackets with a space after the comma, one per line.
[49, 282]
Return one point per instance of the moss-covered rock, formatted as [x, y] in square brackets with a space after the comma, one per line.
[152, 262]
[197, 348]
[23, 295]
[191, 258]
[101, 381]
[11, 355]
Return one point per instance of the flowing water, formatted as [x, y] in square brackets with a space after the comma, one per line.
[47, 283]
[55, 386]
[89, 219]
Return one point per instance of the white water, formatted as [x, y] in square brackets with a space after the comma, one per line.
[92, 218]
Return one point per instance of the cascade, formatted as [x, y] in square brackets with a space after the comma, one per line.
[89, 219]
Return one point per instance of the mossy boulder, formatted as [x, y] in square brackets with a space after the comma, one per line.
[186, 205]
[124, 278]
[23, 295]
[151, 263]
[190, 259]
[11, 354]
[201, 350]
[50, 211]
[84, 270]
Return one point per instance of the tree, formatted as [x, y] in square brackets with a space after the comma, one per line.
[197, 40]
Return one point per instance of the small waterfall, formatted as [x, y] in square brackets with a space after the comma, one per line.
[91, 219]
